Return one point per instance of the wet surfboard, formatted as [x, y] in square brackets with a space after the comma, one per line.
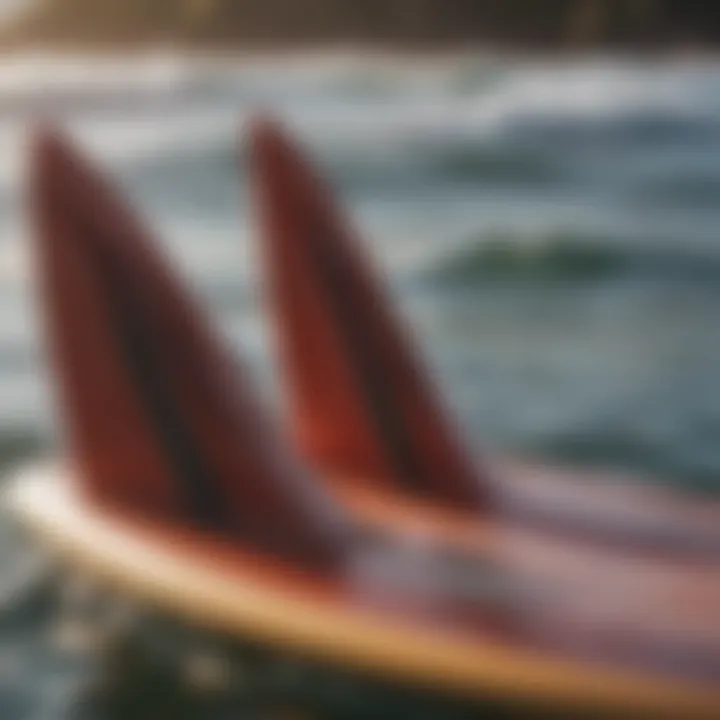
[237, 591]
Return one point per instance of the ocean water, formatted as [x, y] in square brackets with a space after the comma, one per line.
[551, 229]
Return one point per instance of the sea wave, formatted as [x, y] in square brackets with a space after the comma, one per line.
[570, 256]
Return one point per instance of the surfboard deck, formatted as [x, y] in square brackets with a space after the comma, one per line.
[217, 585]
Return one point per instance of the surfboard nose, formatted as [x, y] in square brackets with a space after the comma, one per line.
[158, 414]
[361, 403]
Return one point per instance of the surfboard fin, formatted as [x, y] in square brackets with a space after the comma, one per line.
[360, 403]
[159, 417]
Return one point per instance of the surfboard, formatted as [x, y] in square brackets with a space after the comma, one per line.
[233, 590]
[366, 413]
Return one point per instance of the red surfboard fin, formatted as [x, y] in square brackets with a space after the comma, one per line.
[159, 417]
[361, 404]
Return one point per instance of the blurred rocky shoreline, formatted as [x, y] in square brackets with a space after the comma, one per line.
[542, 24]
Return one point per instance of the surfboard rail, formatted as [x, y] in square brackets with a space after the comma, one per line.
[222, 587]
